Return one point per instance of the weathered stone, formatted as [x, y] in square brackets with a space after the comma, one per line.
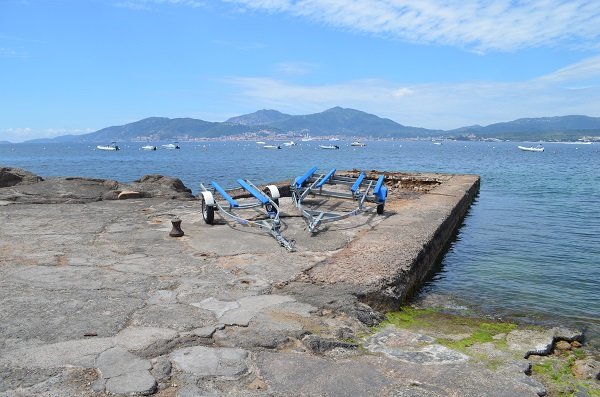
[175, 316]
[16, 176]
[586, 369]
[206, 361]
[161, 368]
[530, 342]
[118, 361]
[137, 338]
[216, 306]
[411, 347]
[140, 382]
[162, 186]
[249, 307]
[563, 345]
[129, 194]
[321, 345]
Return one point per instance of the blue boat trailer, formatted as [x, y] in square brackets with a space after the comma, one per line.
[266, 200]
[361, 189]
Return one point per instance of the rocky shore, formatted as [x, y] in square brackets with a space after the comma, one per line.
[98, 299]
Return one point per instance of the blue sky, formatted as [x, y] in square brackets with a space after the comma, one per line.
[75, 66]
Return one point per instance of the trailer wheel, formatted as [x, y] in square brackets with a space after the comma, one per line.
[208, 211]
[380, 209]
[273, 193]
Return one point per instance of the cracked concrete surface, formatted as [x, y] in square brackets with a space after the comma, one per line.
[96, 298]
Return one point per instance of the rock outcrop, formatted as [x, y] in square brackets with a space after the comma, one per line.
[16, 176]
[20, 186]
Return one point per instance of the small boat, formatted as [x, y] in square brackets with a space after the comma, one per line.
[357, 143]
[271, 147]
[307, 138]
[329, 147]
[334, 139]
[437, 143]
[171, 146]
[290, 143]
[112, 147]
[260, 143]
[538, 148]
[149, 147]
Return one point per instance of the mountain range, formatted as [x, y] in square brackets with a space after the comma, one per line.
[336, 121]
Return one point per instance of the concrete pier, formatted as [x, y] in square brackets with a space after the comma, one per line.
[97, 298]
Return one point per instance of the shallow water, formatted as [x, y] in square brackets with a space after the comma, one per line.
[529, 248]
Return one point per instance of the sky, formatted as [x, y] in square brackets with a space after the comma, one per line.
[76, 66]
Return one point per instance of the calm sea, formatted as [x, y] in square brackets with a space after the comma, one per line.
[529, 248]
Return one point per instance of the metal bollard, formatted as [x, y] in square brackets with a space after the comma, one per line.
[176, 231]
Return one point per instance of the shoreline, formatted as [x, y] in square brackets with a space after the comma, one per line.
[102, 286]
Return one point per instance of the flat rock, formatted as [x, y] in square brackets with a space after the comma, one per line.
[249, 307]
[529, 342]
[208, 361]
[140, 382]
[412, 347]
[137, 338]
[118, 361]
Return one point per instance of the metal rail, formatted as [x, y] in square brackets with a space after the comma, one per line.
[269, 201]
[361, 190]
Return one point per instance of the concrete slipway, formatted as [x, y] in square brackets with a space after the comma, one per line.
[96, 298]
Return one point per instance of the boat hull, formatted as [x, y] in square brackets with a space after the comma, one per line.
[531, 149]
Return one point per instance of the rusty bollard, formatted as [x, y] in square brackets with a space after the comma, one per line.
[176, 231]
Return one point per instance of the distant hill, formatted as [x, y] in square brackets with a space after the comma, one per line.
[335, 121]
[262, 117]
[543, 128]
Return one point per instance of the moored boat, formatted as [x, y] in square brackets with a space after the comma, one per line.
[538, 148]
[171, 146]
[271, 147]
[149, 147]
[330, 147]
[290, 143]
[112, 147]
[357, 143]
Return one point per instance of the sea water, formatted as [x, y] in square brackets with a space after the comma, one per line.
[529, 248]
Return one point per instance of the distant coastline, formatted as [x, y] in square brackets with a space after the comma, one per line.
[339, 123]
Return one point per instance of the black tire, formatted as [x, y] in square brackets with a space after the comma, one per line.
[268, 206]
[380, 208]
[208, 212]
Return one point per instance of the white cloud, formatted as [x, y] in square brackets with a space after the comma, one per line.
[26, 133]
[147, 4]
[443, 106]
[295, 68]
[477, 25]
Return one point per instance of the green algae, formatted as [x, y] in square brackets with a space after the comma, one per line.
[460, 333]
[556, 373]
[432, 319]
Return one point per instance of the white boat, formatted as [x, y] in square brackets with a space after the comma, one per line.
[307, 138]
[112, 147]
[271, 147]
[290, 143]
[334, 139]
[330, 147]
[357, 143]
[171, 146]
[149, 147]
[260, 143]
[437, 143]
[538, 148]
